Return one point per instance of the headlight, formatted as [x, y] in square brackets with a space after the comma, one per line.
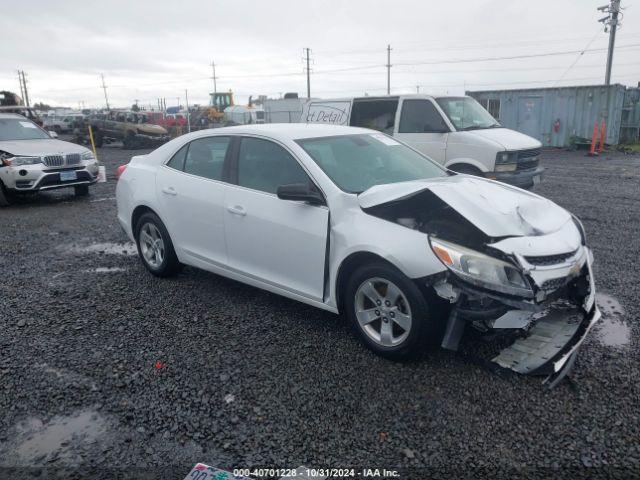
[506, 167]
[481, 270]
[88, 155]
[19, 161]
[580, 227]
[507, 157]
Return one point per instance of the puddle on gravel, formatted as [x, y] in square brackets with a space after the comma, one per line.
[56, 440]
[107, 248]
[612, 330]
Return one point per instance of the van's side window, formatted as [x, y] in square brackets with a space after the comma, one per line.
[420, 116]
[375, 114]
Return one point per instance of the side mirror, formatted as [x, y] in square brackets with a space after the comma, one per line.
[301, 192]
[52, 134]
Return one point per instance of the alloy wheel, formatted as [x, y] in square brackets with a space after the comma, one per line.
[383, 312]
[151, 245]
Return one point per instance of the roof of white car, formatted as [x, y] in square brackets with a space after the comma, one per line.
[293, 131]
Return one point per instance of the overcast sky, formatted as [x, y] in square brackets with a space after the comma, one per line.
[157, 49]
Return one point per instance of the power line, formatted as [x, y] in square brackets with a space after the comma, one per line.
[578, 57]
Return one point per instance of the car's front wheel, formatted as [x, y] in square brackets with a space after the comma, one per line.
[388, 311]
[5, 196]
[155, 247]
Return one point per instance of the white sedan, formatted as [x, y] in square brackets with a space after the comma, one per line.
[352, 221]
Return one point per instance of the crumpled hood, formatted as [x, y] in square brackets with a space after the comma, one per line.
[498, 210]
[508, 139]
[40, 147]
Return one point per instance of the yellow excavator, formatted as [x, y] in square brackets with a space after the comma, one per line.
[218, 102]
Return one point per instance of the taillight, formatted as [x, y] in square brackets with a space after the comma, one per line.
[120, 171]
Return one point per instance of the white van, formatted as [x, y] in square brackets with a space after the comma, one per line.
[454, 131]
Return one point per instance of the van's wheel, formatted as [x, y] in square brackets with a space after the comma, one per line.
[129, 141]
[81, 190]
[5, 196]
[155, 247]
[466, 169]
[388, 311]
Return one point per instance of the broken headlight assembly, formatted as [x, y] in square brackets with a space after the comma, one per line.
[481, 270]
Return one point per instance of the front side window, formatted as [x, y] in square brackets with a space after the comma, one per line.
[205, 157]
[421, 116]
[356, 163]
[375, 114]
[264, 165]
[466, 113]
[20, 129]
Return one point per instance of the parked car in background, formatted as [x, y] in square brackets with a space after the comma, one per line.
[456, 132]
[62, 123]
[131, 128]
[351, 220]
[31, 161]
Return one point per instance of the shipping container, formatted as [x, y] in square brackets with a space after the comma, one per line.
[564, 116]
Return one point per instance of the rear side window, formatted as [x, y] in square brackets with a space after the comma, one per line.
[420, 116]
[264, 166]
[375, 114]
[177, 161]
[205, 157]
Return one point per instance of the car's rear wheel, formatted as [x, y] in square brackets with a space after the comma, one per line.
[129, 141]
[388, 311]
[155, 247]
[81, 190]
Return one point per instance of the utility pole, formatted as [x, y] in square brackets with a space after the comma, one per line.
[417, 88]
[104, 87]
[610, 22]
[214, 78]
[186, 100]
[307, 50]
[388, 69]
[20, 82]
[24, 86]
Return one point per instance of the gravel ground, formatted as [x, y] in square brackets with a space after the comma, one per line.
[103, 365]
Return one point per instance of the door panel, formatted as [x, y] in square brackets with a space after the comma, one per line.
[421, 126]
[277, 241]
[529, 111]
[192, 200]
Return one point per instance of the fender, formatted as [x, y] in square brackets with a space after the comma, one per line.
[467, 161]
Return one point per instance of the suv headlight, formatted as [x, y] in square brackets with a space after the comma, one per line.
[481, 270]
[88, 155]
[20, 161]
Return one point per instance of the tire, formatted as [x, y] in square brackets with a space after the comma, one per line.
[129, 141]
[402, 339]
[98, 139]
[5, 197]
[466, 169]
[81, 190]
[161, 260]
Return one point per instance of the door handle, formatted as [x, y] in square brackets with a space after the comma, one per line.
[169, 191]
[237, 210]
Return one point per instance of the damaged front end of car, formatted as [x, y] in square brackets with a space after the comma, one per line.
[515, 264]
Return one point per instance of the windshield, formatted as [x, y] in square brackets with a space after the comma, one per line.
[358, 162]
[20, 129]
[466, 114]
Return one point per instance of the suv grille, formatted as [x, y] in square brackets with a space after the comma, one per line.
[54, 160]
[73, 159]
[550, 259]
[528, 159]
